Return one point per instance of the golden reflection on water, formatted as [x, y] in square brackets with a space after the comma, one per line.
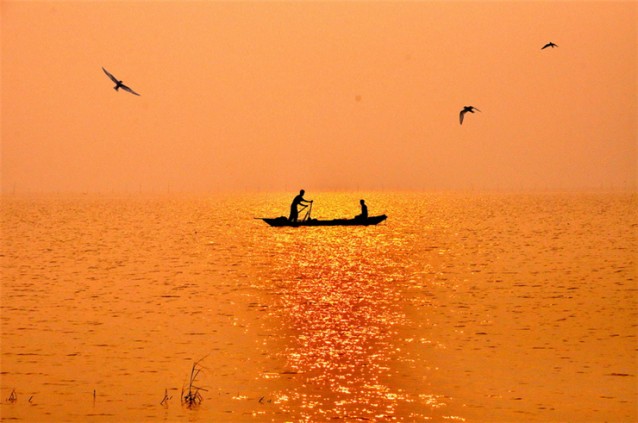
[342, 315]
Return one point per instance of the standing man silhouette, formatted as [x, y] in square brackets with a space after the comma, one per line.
[297, 201]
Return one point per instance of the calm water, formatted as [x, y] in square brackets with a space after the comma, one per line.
[458, 308]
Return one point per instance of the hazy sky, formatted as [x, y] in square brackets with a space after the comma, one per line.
[318, 94]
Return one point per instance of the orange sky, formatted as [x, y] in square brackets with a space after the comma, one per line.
[320, 95]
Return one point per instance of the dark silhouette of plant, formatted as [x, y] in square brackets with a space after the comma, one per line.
[191, 396]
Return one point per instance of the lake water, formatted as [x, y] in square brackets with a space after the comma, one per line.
[460, 307]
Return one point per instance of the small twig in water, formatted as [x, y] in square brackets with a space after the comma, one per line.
[166, 398]
[13, 397]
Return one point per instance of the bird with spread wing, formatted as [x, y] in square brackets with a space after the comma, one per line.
[118, 83]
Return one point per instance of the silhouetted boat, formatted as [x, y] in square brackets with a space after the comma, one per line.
[283, 221]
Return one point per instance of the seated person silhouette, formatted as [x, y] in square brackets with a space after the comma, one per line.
[364, 211]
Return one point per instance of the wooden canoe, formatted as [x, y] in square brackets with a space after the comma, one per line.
[283, 221]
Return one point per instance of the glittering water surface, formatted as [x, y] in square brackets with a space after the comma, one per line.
[460, 307]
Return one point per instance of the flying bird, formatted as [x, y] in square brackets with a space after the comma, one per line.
[550, 44]
[118, 84]
[465, 110]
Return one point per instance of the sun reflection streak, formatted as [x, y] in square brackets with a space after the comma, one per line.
[343, 308]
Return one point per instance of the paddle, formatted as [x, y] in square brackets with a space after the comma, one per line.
[307, 216]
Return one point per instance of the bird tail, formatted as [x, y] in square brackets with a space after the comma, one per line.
[117, 87]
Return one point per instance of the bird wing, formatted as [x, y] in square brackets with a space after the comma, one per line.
[476, 109]
[463, 112]
[125, 88]
[110, 76]
[545, 46]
